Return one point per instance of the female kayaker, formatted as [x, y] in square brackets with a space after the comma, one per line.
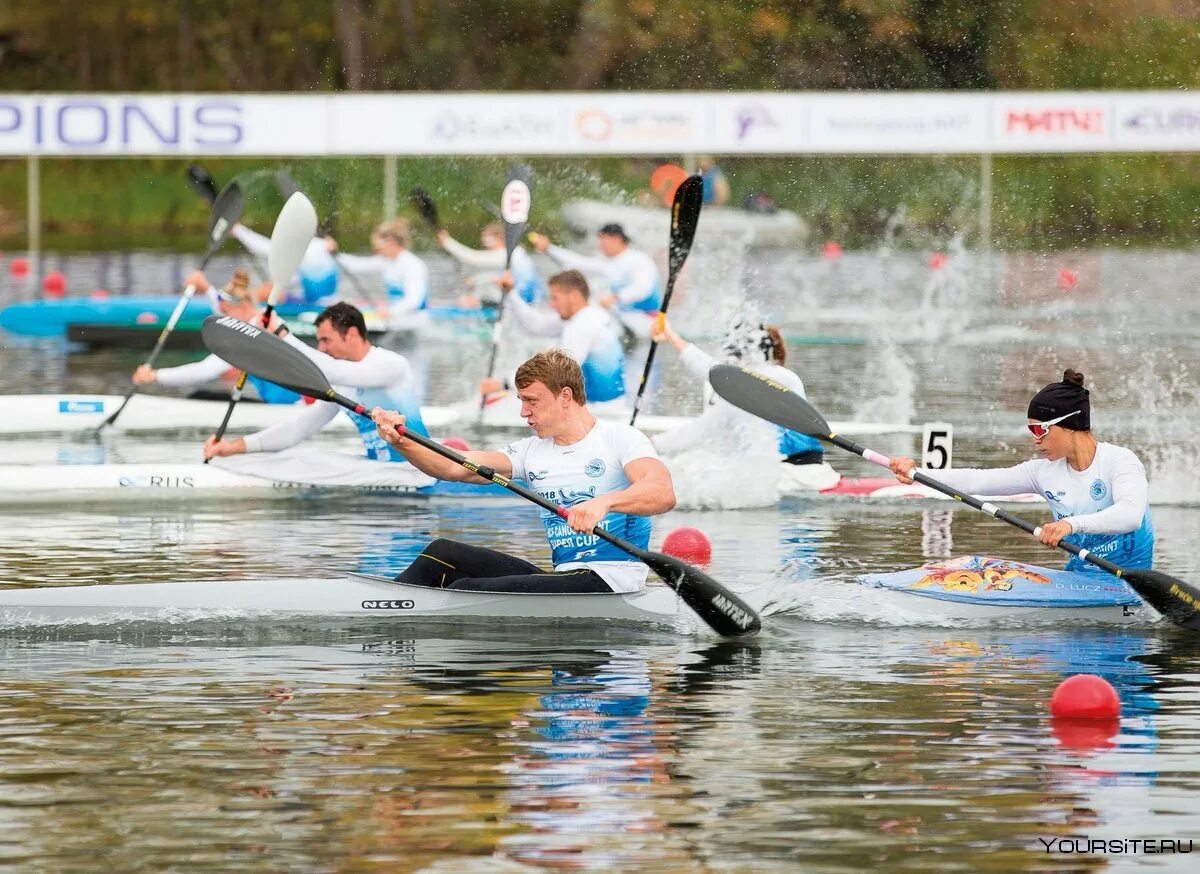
[1097, 491]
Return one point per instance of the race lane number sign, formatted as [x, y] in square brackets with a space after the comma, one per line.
[937, 446]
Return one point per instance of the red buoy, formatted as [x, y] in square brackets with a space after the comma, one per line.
[937, 260]
[19, 267]
[1067, 279]
[832, 250]
[99, 294]
[1085, 696]
[54, 284]
[688, 544]
[457, 444]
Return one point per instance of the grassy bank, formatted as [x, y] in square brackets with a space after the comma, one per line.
[1038, 202]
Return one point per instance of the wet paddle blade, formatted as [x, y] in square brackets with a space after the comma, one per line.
[424, 204]
[685, 216]
[294, 231]
[723, 611]
[226, 212]
[286, 184]
[202, 183]
[263, 354]
[1173, 598]
[515, 201]
[762, 396]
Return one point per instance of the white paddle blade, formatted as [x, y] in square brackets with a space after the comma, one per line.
[294, 231]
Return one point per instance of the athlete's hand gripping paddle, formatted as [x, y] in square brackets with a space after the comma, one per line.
[227, 209]
[265, 355]
[515, 201]
[685, 214]
[294, 230]
[1177, 600]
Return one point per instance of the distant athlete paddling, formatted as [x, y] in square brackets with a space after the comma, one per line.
[606, 475]
[1097, 491]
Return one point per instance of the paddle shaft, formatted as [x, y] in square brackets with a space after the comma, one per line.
[176, 314]
[971, 501]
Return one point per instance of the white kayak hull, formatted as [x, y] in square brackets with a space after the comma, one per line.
[354, 595]
[68, 413]
[293, 473]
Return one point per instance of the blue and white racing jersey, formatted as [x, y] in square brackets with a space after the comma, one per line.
[631, 274]
[577, 472]
[1107, 504]
[382, 378]
[592, 339]
[318, 270]
[527, 283]
[406, 278]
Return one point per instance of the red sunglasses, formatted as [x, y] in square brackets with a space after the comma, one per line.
[1041, 429]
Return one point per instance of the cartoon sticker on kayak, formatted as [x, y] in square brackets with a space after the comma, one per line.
[971, 574]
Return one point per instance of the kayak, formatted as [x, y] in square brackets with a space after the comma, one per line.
[361, 595]
[65, 413]
[53, 318]
[982, 587]
[650, 224]
[298, 472]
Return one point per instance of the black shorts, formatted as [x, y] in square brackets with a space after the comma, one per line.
[448, 564]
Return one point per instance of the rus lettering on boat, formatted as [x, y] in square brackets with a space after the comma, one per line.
[157, 481]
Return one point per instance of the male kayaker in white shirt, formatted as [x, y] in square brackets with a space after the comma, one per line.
[605, 474]
[631, 274]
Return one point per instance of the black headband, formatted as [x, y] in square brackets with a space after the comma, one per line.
[1059, 399]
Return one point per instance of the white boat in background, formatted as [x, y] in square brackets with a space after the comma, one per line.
[69, 413]
[649, 225]
[373, 597]
[298, 472]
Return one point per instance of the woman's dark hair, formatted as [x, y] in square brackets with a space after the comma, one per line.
[1073, 376]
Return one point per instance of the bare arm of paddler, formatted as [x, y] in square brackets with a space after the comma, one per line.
[649, 493]
[391, 428]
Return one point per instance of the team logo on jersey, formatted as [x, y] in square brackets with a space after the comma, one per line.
[1098, 490]
[536, 475]
[1055, 496]
[595, 468]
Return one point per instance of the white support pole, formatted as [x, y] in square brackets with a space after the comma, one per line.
[985, 201]
[33, 217]
[389, 187]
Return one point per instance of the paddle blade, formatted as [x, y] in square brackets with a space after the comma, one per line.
[685, 215]
[226, 212]
[762, 396]
[202, 183]
[294, 231]
[423, 203]
[1173, 598]
[286, 184]
[515, 201]
[263, 354]
[724, 612]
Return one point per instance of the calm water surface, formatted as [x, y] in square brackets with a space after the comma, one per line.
[843, 738]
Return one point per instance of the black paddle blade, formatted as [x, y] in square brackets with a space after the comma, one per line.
[515, 202]
[226, 212]
[490, 207]
[1173, 598]
[685, 215]
[725, 613]
[286, 184]
[422, 202]
[762, 396]
[202, 182]
[263, 354]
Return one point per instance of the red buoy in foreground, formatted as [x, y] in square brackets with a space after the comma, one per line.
[457, 444]
[688, 544]
[1085, 696]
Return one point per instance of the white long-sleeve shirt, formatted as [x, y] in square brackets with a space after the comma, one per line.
[631, 274]
[526, 281]
[1107, 504]
[591, 339]
[318, 271]
[382, 378]
[406, 277]
[197, 373]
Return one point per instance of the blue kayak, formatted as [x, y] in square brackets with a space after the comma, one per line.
[995, 582]
[51, 318]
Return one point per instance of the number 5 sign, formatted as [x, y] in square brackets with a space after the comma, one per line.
[937, 446]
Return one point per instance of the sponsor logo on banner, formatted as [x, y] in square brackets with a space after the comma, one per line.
[1161, 121]
[454, 127]
[635, 126]
[1054, 121]
[751, 117]
[885, 125]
